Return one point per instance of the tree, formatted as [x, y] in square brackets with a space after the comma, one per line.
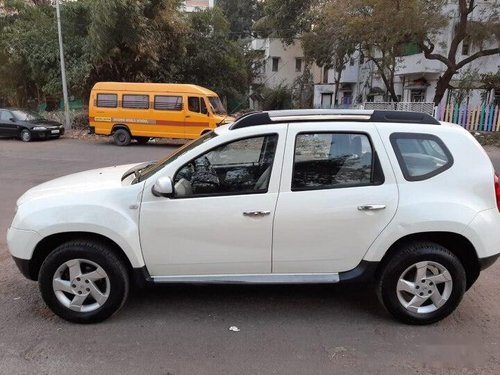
[477, 27]
[213, 60]
[467, 82]
[241, 15]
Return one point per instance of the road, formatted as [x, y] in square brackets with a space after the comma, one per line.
[185, 329]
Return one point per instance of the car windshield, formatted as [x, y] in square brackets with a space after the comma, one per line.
[26, 115]
[152, 169]
[217, 105]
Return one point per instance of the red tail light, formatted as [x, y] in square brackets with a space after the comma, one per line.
[497, 191]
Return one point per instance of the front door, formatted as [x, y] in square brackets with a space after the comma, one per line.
[220, 220]
[334, 200]
[197, 117]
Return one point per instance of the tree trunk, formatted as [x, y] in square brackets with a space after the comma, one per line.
[337, 84]
[442, 85]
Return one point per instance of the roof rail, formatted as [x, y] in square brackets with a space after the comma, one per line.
[273, 117]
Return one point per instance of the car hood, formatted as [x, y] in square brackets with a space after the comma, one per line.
[96, 179]
[43, 122]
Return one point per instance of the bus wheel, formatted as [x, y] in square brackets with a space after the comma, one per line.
[122, 137]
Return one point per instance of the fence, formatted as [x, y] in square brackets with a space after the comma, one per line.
[479, 117]
[424, 107]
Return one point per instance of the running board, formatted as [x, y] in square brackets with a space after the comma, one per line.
[279, 278]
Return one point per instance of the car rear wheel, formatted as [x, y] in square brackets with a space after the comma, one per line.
[26, 135]
[422, 283]
[83, 282]
[122, 137]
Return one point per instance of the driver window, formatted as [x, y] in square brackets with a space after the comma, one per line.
[240, 167]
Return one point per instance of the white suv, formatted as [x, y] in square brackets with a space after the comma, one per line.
[318, 196]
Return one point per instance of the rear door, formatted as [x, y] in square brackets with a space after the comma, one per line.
[337, 194]
[197, 116]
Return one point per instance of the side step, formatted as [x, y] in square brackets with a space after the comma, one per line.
[280, 278]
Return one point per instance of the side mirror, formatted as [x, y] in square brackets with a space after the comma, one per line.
[163, 187]
[12, 119]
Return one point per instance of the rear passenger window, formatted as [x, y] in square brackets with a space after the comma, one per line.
[168, 103]
[420, 156]
[135, 101]
[107, 100]
[333, 160]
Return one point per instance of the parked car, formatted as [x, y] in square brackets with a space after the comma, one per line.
[27, 125]
[397, 199]
[141, 111]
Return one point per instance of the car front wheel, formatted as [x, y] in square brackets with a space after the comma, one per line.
[422, 283]
[26, 135]
[83, 282]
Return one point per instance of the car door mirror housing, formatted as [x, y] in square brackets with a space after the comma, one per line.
[163, 187]
[12, 119]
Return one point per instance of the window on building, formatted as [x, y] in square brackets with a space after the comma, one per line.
[465, 47]
[325, 74]
[168, 103]
[420, 156]
[298, 64]
[351, 61]
[276, 61]
[135, 101]
[361, 58]
[107, 100]
[334, 160]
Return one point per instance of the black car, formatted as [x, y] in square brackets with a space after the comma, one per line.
[27, 125]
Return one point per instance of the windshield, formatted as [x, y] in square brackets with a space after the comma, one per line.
[26, 115]
[151, 170]
[217, 106]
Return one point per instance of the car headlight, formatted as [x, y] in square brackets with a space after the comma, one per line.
[39, 128]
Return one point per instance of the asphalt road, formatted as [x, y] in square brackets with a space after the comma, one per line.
[185, 329]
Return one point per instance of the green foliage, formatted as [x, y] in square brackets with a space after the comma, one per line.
[241, 15]
[279, 97]
[490, 81]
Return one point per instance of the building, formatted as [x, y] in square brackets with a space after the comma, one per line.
[193, 5]
[277, 64]
[416, 76]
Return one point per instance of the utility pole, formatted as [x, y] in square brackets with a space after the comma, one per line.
[63, 68]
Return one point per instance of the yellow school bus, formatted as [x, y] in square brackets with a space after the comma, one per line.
[142, 111]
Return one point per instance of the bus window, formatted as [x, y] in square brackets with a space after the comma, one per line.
[135, 101]
[194, 104]
[107, 100]
[168, 103]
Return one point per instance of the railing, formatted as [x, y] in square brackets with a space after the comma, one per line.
[479, 117]
[424, 107]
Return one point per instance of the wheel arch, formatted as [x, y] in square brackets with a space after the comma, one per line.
[51, 242]
[459, 245]
[120, 126]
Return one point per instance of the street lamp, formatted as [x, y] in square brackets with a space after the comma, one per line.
[63, 68]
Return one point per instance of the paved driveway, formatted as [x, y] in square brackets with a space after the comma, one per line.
[185, 329]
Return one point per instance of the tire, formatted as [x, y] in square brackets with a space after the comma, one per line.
[102, 275]
[142, 140]
[422, 283]
[122, 137]
[26, 135]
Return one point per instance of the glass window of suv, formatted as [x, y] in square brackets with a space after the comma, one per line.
[239, 167]
[334, 160]
[420, 156]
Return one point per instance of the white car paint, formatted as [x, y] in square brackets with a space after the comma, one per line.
[307, 232]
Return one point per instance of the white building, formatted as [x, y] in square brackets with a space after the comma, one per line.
[416, 76]
[278, 64]
[193, 5]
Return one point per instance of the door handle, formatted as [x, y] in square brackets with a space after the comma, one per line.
[371, 207]
[256, 213]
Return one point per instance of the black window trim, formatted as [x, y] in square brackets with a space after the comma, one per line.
[168, 96]
[399, 156]
[129, 94]
[376, 165]
[106, 106]
[232, 193]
